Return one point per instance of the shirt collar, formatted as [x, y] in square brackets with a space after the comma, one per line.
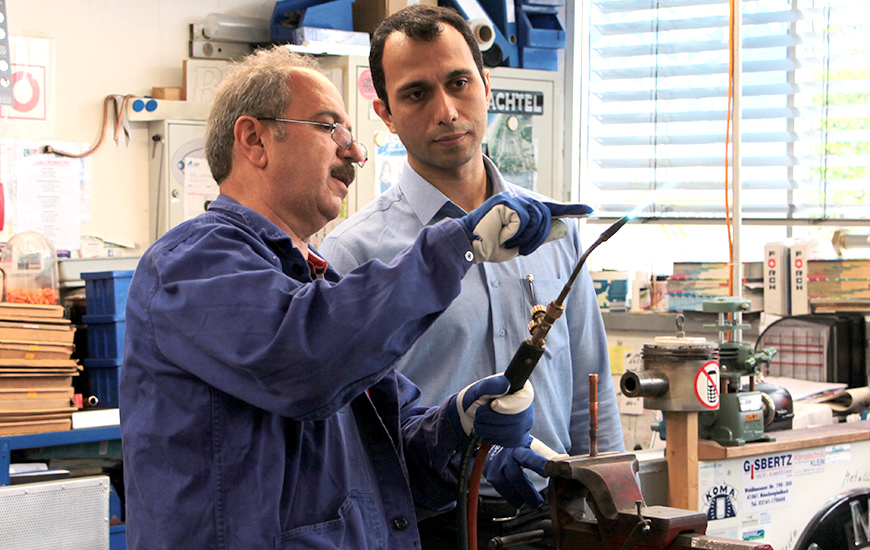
[430, 204]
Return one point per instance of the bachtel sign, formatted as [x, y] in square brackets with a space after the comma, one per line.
[513, 102]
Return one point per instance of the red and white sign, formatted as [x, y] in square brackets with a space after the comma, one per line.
[365, 85]
[28, 91]
[707, 385]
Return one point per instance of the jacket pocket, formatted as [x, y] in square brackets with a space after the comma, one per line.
[356, 524]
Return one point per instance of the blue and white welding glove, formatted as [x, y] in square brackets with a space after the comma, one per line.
[504, 470]
[495, 416]
[506, 225]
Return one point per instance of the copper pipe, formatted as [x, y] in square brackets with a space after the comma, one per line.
[593, 415]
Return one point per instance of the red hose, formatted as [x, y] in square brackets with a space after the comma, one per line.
[473, 492]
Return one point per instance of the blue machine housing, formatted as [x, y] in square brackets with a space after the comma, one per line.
[325, 14]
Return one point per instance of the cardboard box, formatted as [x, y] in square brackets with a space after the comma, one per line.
[174, 94]
[776, 278]
[799, 290]
[368, 14]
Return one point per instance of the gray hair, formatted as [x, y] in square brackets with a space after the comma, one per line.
[256, 86]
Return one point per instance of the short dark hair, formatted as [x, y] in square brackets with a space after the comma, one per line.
[418, 22]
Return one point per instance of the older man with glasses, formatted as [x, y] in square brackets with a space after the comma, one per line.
[259, 406]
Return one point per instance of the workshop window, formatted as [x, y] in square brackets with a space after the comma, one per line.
[655, 109]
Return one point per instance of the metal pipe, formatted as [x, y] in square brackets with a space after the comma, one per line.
[643, 384]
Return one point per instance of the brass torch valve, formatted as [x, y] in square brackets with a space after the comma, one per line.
[543, 319]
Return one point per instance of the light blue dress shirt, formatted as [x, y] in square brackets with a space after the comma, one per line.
[481, 330]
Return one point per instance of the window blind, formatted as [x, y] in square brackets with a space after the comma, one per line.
[656, 108]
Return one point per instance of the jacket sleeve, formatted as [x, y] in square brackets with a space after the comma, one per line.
[233, 318]
[431, 447]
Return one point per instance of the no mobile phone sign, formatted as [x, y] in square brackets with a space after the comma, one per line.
[707, 385]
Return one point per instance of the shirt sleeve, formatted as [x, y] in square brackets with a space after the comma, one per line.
[227, 313]
[338, 254]
[589, 353]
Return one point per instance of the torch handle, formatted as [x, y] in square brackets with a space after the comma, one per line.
[522, 365]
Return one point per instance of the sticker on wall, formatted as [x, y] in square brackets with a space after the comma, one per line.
[707, 385]
[31, 72]
[767, 482]
[721, 502]
[390, 157]
[366, 86]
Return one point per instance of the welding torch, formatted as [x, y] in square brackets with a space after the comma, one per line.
[518, 372]
[530, 351]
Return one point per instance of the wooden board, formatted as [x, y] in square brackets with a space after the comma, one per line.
[47, 363]
[35, 405]
[36, 332]
[9, 418]
[682, 455]
[33, 319]
[34, 380]
[35, 350]
[7, 394]
[788, 440]
[30, 310]
[36, 426]
[18, 371]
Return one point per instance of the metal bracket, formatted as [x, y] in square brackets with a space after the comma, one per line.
[203, 48]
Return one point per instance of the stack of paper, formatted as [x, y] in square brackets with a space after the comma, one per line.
[839, 285]
[694, 283]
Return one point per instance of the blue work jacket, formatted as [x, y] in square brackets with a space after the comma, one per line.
[259, 407]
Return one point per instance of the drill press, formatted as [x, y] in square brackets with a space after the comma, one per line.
[743, 411]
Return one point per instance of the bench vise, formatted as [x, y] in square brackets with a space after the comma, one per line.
[596, 503]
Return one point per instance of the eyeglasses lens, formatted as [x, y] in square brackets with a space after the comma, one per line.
[342, 136]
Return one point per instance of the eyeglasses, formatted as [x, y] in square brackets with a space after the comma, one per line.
[340, 135]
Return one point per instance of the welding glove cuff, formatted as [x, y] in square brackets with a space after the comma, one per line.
[495, 416]
[504, 471]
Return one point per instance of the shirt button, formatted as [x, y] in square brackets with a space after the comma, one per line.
[502, 332]
[496, 284]
[400, 524]
[469, 256]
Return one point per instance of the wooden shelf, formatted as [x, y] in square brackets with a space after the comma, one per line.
[789, 440]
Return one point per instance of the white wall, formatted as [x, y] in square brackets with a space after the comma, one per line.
[105, 47]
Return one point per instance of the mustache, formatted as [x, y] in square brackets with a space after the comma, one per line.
[344, 172]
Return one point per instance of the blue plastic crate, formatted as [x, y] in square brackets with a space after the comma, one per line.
[103, 379]
[542, 59]
[105, 335]
[540, 27]
[118, 537]
[106, 291]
